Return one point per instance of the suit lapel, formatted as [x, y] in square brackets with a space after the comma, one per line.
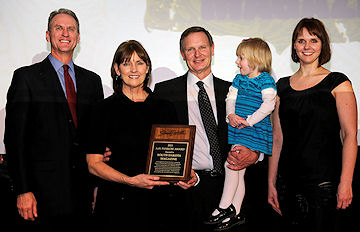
[49, 75]
[79, 90]
[218, 96]
[82, 84]
[181, 88]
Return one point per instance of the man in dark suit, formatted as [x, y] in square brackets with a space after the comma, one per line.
[46, 113]
[197, 49]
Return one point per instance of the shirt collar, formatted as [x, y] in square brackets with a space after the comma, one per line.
[58, 64]
[208, 80]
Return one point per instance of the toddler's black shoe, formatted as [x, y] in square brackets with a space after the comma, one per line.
[223, 214]
[235, 220]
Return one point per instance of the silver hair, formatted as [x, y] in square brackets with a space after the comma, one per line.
[63, 11]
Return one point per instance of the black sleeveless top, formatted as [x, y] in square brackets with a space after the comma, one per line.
[312, 149]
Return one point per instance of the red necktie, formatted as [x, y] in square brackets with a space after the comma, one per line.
[70, 93]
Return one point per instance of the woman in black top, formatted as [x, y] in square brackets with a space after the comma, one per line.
[315, 110]
[122, 122]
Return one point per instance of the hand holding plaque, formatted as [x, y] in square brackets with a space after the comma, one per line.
[170, 152]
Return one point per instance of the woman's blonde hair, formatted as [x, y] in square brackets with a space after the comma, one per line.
[257, 52]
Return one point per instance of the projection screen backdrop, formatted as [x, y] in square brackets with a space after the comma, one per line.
[158, 24]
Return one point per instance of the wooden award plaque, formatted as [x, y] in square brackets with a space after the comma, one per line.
[170, 152]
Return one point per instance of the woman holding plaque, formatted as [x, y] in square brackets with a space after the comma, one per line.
[123, 123]
[315, 124]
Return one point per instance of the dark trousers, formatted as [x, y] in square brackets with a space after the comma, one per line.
[320, 203]
[312, 207]
[203, 199]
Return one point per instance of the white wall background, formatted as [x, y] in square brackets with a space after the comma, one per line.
[158, 24]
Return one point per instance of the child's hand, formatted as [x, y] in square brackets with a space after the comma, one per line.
[237, 121]
[243, 124]
[234, 120]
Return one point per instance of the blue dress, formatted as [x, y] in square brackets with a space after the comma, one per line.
[249, 99]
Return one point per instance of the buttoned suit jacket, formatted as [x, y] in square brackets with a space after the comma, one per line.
[175, 90]
[41, 141]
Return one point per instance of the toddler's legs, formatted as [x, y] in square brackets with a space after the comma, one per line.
[230, 187]
[240, 191]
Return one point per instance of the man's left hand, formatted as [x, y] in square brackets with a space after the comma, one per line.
[189, 183]
[241, 157]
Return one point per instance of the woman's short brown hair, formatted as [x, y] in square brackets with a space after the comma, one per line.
[257, 52]
[123, 54]
[315, 27]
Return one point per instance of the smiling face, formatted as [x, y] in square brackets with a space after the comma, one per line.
[63, 36]
[197, 52]
[307, 47]
[133, 72]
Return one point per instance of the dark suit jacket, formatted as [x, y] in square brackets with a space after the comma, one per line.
[175, 90]
[42, 143]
